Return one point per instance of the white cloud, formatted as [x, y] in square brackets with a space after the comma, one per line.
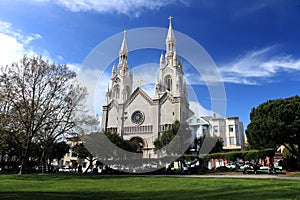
[256, 65]
[128, 7]
[73, 66]
[14, 44]
[96, 83]
[194, 79]
[199, 110]
[148, 73]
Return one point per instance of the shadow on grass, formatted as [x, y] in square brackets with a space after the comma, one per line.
[59, 176]
[138, 187]
[243, 193]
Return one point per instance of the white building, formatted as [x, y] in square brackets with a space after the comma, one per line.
[230, 129]
[70, 159]
[133, 113]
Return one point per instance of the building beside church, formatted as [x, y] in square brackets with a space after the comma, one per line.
[230, 129]
[132, 113]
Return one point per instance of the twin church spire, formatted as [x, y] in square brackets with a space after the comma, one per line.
[171, 55]
[170, 41]
[123, 57]
[170, 78]
[124, 49]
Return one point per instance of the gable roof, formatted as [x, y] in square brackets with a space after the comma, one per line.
[167, 96]
[139, 91]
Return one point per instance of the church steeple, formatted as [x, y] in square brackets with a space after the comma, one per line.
[123, 57]
[124, 50]
[113, 71]
[170, 73]
[121, 80]
[170, 37]
[170, 42]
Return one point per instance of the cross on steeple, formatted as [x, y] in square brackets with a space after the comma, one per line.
[139, 81]
[170, 18]
[170, 41]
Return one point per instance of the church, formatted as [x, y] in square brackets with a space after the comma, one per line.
[132, 113]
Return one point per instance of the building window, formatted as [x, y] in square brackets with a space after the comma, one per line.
[74, 154]
[137, 117]
[230, 128]
[204, 130]
[216, 129]
[116, 91]
[231, 140]
[168, 82]
[127, 93]
[198, 120]
[237, 139]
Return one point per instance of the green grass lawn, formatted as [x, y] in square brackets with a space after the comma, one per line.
[137, 187]
[297, 174]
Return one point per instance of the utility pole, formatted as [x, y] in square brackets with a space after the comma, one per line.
[123, 118]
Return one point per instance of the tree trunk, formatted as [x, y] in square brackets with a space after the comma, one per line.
[298, 158]
[87, 168]
[43, 161]
[21, 170]
[23, 162]
[24, 158]
[90, 159]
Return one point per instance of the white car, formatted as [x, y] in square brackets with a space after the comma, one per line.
[64, 169]
[230, 165]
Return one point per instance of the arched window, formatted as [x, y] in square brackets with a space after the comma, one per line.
[127, 92]
[168, 83]
[116, 91]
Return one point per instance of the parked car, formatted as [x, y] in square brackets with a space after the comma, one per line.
[230, 165]
[247, 165]
[65, 169]
[240, 164]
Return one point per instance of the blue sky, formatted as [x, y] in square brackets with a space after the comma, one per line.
[255, 44]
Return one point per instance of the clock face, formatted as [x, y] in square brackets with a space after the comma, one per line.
[137, 117]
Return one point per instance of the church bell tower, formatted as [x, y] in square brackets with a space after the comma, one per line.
[121, 80]
[171, 74]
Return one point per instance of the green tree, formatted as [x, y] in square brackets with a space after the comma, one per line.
[40, 100]
[123, 144]
[216, 141]
[83, 153]
[167, 138]
[57, 151]
[275, 123]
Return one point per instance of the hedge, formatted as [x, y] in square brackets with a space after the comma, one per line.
[245, 155]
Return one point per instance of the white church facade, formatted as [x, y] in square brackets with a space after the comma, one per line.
[132, 113]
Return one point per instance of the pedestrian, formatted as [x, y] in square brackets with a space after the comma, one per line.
[79, 169]
[245, 167]
[255, 168]
[270, 169]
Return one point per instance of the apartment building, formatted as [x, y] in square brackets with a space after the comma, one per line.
[230, 129]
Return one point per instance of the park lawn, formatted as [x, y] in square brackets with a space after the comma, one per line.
[297, 174]
[139, 187]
